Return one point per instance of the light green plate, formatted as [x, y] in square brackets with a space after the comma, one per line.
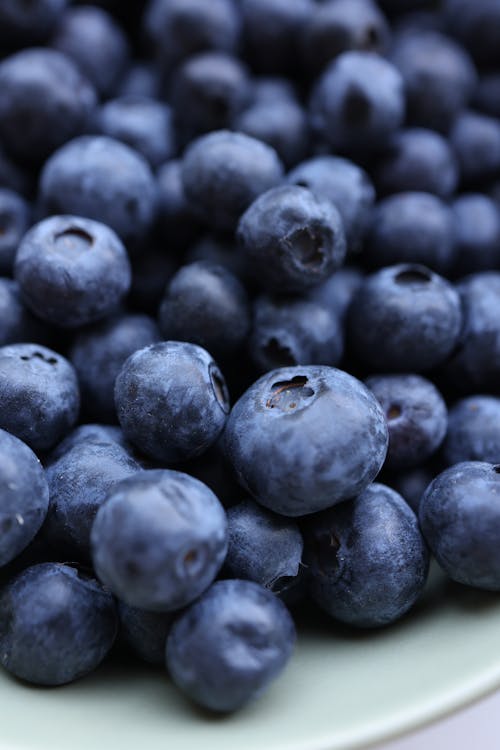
[341, 690]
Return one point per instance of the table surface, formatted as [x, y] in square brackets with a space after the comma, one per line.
[477, 726]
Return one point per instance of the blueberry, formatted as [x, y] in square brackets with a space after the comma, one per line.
[93, 433]
[412, 227]
[16, 322]
[57, 625]
[44, 102]
[72, 271]
[28, 22]
[418, 159]
[336, 26]
[180, 28]
[304, 438]
[337, 290]
[439, 78]
[346, 185]
[473, 431]
[263, 547]
[177, 225]
[39, 394]
[459, 518]
[24, 496]
[159, 540]
[476, 25]
[142, 123]
[416, 417]
[273, 89]
[358, 102]
[367, 559]
[475, 364]
[476, 220]
[140, 79]
[272, 32]
[15, 216]
[208, 91]
[224, 172]
[404, 317]
[230, 645]
[98, 354]
[102, 179]
[145, 632]
[213, 470]
[294, 332]
[476, 141]
[207, 305]
[291, 239]
[284, 126]
[79, 482]
[94, 41]
[171, 400]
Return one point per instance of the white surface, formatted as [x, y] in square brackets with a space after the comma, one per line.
[477, 726]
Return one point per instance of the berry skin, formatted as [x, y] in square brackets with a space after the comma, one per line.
[476, 220]
[39, 395]
[420, 160]
[459, 518]
[145, 632]
[171, 400]
[28, 23]
[224, 172]
[439, 78]
[304, 438]
[475, 364]
[416, 417]
[473, 431]
[24, 496]
[229, 645]
[404, 317]
[337, 26]
[159, 540]
[181, 28]
[284, 126]
[98, 354]
[16, 322]
[294, 332]
[57, 625]
[367, 559]
[93, 433]
[263, 547]
[176, 223]
[78, 482]
[291, 239]
[15, 218]
[143, 124]
[208, 91]
[476, 25]
[475, 139]
[272, 31]
[72, 271]
[358, 102]
[96, 44]
[347, 186]
[207, 305]
[101, 179]
[412, 228]
[44, 102]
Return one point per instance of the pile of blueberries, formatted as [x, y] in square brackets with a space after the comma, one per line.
[251, 264]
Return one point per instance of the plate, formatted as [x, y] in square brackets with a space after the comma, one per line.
[342, 690]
